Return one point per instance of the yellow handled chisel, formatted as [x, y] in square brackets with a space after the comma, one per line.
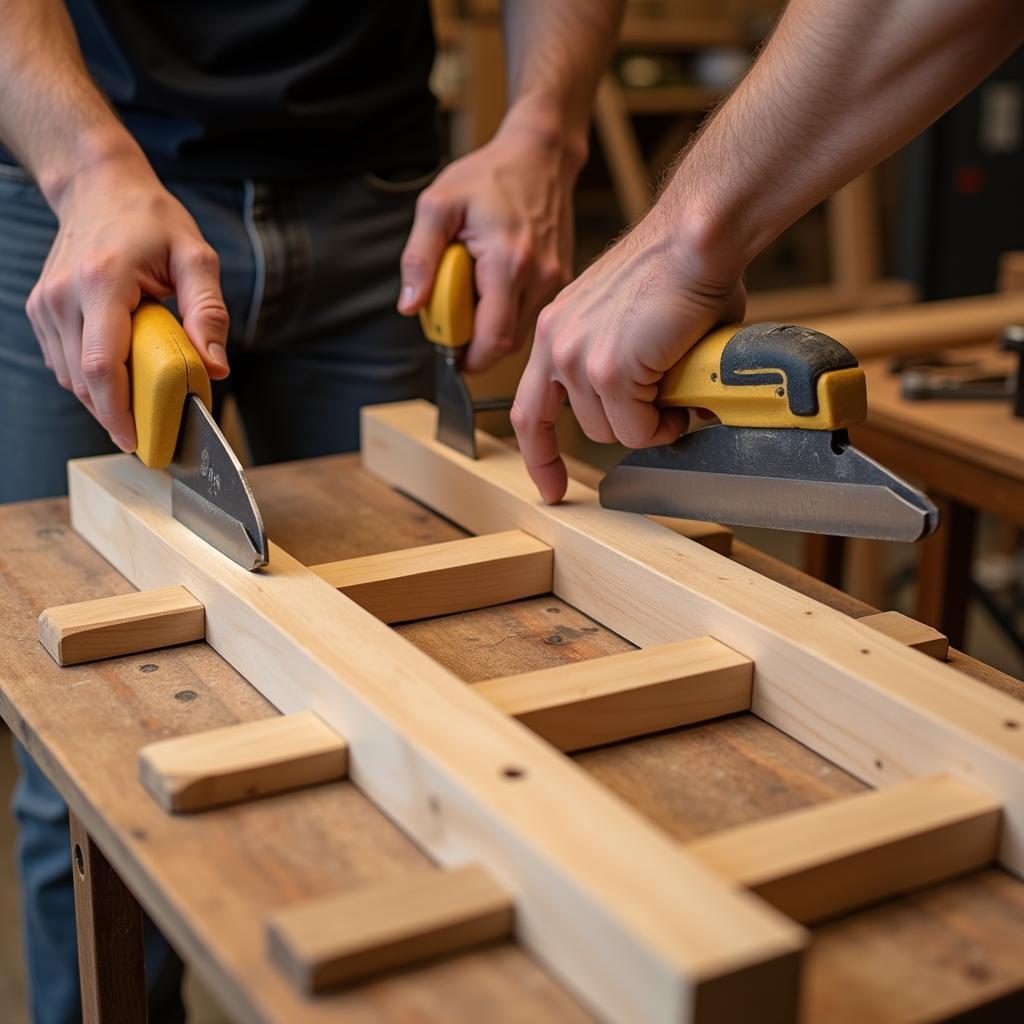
[781, 457]
[171, 402]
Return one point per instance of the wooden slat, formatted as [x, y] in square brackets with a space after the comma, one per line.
[906, 630]
[240, 762]
[439, 579]
[125, 624]
[630, 694]
[821, 861]
[866, 702]
[464, 780]
[327, 942]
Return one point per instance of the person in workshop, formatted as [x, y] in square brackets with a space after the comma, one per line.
[838, 87]
[269, 164]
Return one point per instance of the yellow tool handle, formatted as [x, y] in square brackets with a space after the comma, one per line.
[447, 319]
[769, 375]
[164, 369]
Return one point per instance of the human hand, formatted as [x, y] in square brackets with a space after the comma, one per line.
[610, 336]
[121, 236]
[509, 202]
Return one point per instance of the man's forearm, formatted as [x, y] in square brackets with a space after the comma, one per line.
[839, 87]
[557, 51]
[52, 115]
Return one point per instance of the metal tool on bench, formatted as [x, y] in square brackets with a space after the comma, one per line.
[447, 321]
[171, 399]
[781, 457]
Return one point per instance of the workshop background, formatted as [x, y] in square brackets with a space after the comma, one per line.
[939, 220]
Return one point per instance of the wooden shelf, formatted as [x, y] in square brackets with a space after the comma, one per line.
[671, 99]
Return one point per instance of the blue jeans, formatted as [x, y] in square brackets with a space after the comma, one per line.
[310, 278]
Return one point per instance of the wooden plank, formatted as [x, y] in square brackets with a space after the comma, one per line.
[326, 942]
[465, 781]
[439, 579]
[909, 631]
[111, 974]
[874, 707]
[240, 762]
[623, 695]
[820, 861]
[125, 624]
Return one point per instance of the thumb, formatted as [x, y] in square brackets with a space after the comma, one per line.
[195, 274]
[434, 226]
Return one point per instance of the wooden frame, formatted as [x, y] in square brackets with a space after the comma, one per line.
[586, 874]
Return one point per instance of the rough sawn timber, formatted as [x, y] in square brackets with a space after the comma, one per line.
[878, 709]
[637, 928]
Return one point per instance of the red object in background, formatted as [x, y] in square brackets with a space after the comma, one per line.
[969, 179]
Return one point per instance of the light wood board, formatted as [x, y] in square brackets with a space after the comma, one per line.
[617, 936]
[882, 711]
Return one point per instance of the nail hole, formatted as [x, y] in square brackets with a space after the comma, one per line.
[513, 772]
[1011, 723]
[781, 393]
[79, 861]
[150, 667]
[864, 650]
[186, 696]
[434, 804]
[553, 640]
[808, 613]
[878, 763]
[714, 376]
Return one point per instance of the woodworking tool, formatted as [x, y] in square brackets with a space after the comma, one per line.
[781, 456]
[171, 399]
[447, 321]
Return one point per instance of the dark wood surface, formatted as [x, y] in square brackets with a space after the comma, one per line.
[112, 973]
[209, 880]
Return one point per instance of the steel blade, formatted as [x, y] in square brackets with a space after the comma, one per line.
[807, 480]
[456, 424]
[210, 493]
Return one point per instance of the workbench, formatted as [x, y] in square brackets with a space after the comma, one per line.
[968, 456]
[209, 879]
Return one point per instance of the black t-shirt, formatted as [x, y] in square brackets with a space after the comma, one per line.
[267, 89]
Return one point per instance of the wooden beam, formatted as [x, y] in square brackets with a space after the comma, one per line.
[439, 579]
[906, 630]
[630, 694]
[463, 780]
[125, 624]
[876, 708]
[821, 861]
[240, 762]
[326, 942]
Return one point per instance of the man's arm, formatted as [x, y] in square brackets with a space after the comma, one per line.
[510, 201]
[121, 234]
[838, 87]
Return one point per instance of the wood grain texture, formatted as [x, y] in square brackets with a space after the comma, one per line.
[816, 863]
[906, 630]
[923, 326]
[111, 975]
[207, 879]
[327, 942]
[241, 762]
[439, 579]
[123, 624]
[698, 950]
[876, 708]
[625, 695]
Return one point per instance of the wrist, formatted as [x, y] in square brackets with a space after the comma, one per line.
[95, 160]
[546, 123]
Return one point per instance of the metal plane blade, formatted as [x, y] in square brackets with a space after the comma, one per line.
[812, 481]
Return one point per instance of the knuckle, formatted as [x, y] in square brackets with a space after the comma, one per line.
[545, 323]
[551, 276]
[413, 262]
[520, 259]
[64, 381]
[54, 291]
[519, 417]
[98, 269]
[204, 260]
[430, 203]
[97, 367]
[602, 373]
[81, 390]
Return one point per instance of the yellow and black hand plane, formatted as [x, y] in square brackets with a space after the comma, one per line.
[781, 456]
[171, 399]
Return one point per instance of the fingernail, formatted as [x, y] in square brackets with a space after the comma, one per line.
[123, 443]
[407, 296]
[218, 354]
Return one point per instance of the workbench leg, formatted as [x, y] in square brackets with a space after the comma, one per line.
[944, 571]
[823, 558]
[110, 959]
